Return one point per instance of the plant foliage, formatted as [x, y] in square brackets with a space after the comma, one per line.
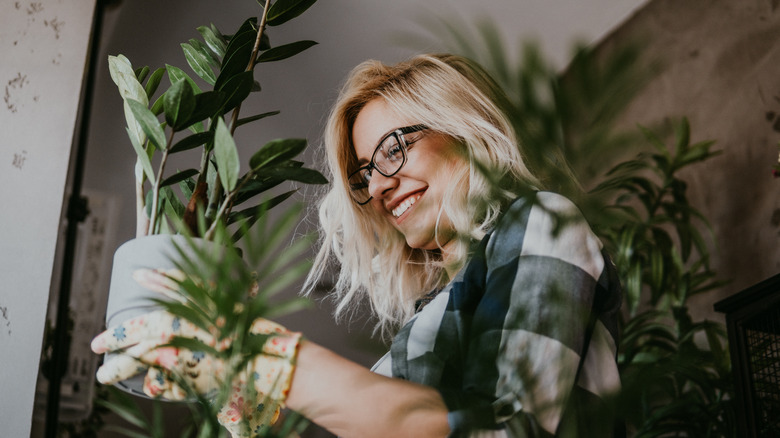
[185, 117]
[675, 371]
[224, 290]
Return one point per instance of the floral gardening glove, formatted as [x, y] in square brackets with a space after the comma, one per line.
[137, 346]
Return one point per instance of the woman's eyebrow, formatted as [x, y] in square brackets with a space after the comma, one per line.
[363, 161]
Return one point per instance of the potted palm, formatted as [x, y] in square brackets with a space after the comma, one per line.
[183, 215]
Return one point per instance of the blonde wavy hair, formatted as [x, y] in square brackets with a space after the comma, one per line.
[450, 95]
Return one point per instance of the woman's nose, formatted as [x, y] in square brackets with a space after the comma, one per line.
[381, 185]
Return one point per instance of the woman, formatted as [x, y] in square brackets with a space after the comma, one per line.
[506, 306]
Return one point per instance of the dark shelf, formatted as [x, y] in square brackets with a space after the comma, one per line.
[753, 323]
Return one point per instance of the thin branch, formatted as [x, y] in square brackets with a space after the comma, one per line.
[156, 187]
[141, 221]
[251, 65]
[227, 203]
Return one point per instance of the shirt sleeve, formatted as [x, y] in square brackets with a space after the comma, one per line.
[539, 272]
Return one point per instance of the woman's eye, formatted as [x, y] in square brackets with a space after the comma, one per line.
[394, 153]
[366, 174]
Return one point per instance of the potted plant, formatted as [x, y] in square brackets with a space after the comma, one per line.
[200, 214]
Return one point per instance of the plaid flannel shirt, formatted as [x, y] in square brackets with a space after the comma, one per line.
[509, 342]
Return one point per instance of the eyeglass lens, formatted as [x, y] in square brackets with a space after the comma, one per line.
[389, 156]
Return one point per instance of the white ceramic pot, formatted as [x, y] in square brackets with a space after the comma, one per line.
[127, 298]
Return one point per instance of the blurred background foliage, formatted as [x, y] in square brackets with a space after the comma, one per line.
[676, 372]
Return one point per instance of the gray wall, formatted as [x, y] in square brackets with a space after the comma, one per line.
[721, 69]
[43, 46]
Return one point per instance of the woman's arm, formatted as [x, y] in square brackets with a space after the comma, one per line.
[351, 401]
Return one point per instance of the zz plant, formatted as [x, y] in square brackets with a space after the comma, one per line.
[214, 200]
[194, 118]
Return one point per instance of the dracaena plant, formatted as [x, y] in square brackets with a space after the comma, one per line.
[675, 370]
[184, 117]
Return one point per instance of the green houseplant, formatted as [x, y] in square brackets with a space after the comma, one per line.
[203, 222]
[207, 120]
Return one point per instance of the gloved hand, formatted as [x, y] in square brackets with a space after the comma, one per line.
[136, 343]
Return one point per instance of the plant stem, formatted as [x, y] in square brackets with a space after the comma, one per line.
[213, 200]
[251, 65]
[141, 221]
[156, 187]
[227, 203]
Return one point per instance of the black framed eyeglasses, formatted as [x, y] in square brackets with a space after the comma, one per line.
[388, 158]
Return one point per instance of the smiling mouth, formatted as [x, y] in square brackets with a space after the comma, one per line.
[408, 202]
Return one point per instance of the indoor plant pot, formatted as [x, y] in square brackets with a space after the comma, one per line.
[128, 296]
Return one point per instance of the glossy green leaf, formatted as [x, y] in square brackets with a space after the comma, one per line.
[154, 82]
[134, 130]
[180, 176]
[214, 39]
[236, 90]
[124, 77]
[179, 104]
[285, 51]
[207, 106]
[187, 187]
[285, 10]
[191, 142]
[149, 123]
[277, 151]
[212, 58]
[253, 188]
[143, 158]
[303, 175]
[226, 154]
[175, 74]
[238, 53]
[142, 73]
[172, 206]
[200, 63]
[130, 88]
[235, 65]
[251, 214]
[159, 105]
[246, 120]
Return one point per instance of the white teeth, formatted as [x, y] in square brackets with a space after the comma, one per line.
[398, 211]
